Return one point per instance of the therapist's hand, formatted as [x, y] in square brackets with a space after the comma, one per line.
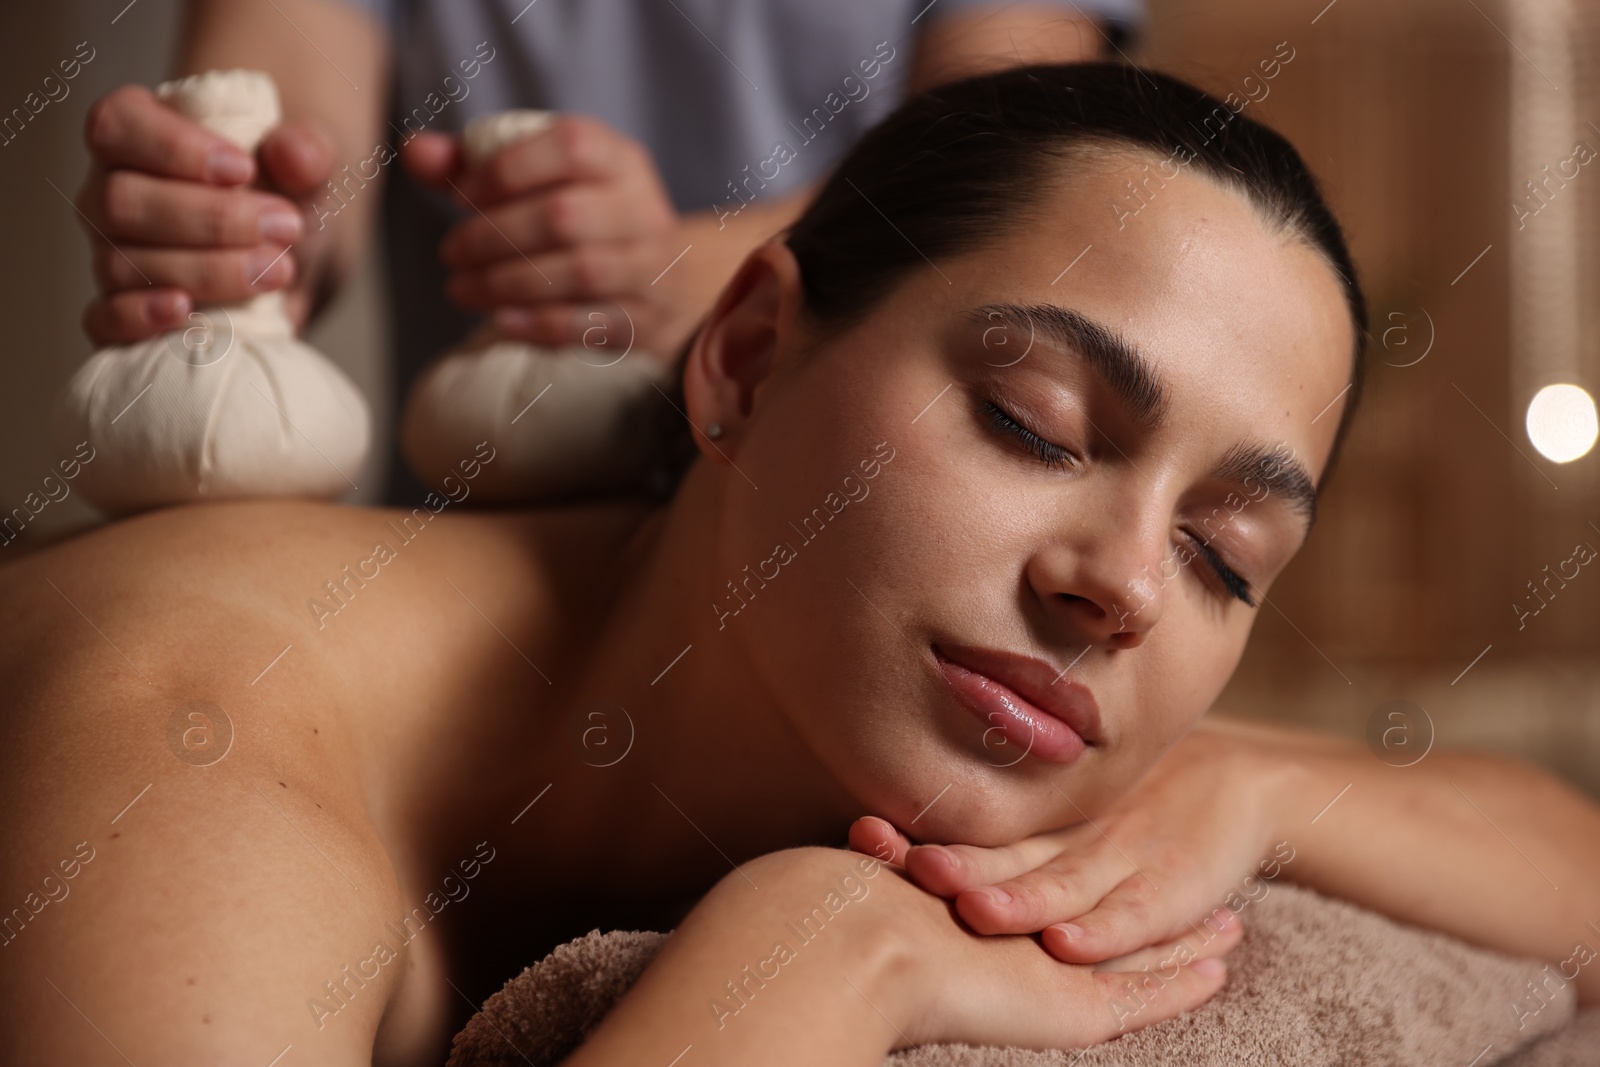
[1195, 840]
[566, 235]
[179, 216]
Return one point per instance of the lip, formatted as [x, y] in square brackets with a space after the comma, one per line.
[1031, 704]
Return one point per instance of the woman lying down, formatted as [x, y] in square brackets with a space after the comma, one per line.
[993, 474]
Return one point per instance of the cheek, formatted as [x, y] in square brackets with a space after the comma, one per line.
[838, 637]
[1187, 660]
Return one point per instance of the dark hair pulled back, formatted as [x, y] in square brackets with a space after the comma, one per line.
[957, 167]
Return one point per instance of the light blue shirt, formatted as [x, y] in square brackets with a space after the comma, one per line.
[736, 100]
[708, 86]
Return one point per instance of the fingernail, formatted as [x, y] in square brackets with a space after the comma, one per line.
[1072, 931]
[1223, 917]
[996, 896]
[280, 225]
[228, 166]
[266, 268]
[1211, 967]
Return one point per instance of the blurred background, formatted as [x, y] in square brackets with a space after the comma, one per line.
[1447, 133]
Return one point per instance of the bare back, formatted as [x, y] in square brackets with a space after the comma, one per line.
[250, 757]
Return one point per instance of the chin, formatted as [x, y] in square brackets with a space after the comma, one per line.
[936, 791]
[994, 818]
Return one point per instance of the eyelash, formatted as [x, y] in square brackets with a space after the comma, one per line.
[1050, 454]
[1057, 458]
[1231, 580]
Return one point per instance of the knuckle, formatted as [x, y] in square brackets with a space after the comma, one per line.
[500, 173]
[213, 273]
[964, 858]
[219, 219]
[119, 200]
[1131, 911]
[170, 148]
[590, 269]
[563, 217]
[1030, 894]
[578, 140]
[104, 118]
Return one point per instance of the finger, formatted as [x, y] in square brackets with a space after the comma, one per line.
[129, 205]
[562, 217]
[1064, 888]
[434, 159]
[948, 869]
[1216, 935]
[590, 272]
[1134, 1001]
[208, 277]
[877, 837]
[571, 148]
[297, 157]
[135, 315]
[1131, 915]
[129, 127]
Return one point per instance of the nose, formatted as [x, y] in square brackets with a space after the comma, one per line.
[1102, 585]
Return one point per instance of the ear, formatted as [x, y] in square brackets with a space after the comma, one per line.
[738, 347]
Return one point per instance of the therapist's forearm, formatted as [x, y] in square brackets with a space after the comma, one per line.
[1486, 848]
[718, 241]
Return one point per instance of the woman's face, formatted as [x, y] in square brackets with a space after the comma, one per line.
[1059, 473]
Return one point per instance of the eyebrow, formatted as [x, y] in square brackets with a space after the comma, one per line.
[1118, 362]
[1138, 385]
[1277, 469]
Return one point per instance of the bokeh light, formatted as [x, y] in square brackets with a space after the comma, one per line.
[1562, 423]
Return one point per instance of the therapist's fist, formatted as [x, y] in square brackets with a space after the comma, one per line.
[177, 215]
[566, 230]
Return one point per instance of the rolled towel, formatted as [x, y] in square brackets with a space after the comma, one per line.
[564, 421]
[233, 406]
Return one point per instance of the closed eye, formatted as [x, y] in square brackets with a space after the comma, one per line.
[1049, 453]
[1230, 578]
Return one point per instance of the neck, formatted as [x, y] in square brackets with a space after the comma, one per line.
[715, 775]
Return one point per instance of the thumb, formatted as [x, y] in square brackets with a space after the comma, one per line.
[297, 157]
[434, 159]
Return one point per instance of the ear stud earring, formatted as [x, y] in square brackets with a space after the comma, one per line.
[714, 430]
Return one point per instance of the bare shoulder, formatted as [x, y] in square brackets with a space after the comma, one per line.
[192, 592]
[204, 708]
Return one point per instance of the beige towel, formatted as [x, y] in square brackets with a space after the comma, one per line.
[1316, 982]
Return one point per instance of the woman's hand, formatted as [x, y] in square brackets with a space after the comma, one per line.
[809, 934]
[1190, 841]
[567, 224]
[1003, 991]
